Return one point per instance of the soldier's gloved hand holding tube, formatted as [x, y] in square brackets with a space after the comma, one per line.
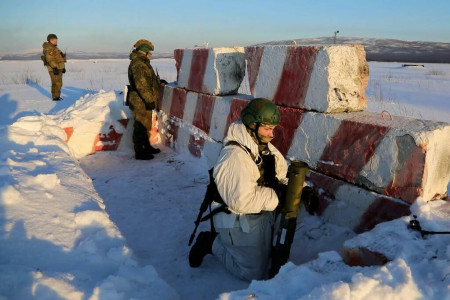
[280, 190]
[55, 71]
[162, 81]
[150, 105]
[64, 70]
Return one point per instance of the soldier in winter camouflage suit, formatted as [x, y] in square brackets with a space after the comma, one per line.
[54, 59]
[142, 97]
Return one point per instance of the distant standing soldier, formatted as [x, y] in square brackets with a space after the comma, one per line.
[54, 59]
[142, 97]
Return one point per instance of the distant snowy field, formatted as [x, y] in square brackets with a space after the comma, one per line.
[110, 227]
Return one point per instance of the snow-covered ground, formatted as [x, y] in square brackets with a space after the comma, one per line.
[110, 227]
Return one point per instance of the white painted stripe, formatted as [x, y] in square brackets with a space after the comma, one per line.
[167, 99]
[270, 70]
[317, 92]
[222, 106]
[189, 107]
[185, 68]
[312, 137]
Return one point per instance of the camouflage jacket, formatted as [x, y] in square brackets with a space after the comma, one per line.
[53, 56]
[143, 80]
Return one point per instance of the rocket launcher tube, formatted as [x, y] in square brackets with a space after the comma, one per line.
[286, 220]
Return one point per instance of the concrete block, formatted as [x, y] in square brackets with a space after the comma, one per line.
[214, 71]
[319, 78]
[404, 158]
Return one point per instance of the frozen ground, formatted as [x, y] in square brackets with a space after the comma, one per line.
[109, 227]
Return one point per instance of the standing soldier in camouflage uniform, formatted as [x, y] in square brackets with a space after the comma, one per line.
[54, 59]
[142, 97]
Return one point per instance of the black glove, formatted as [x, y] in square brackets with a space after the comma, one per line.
[162, 81]
[55, 71]
[310, 199]
[150, 106]
[280, 189]
[64, 70]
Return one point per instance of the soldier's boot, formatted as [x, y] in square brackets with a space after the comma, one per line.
[151, 149]
[202, 247]
[141, 153]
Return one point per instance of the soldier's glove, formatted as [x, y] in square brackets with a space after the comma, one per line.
[150, 105]
[55, 71]
[162, 81]
[64, 70]
[310, 199]
[281, 190]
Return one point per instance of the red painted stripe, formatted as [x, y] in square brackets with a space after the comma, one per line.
[160, 96]
[294, 80]
[178, 55]
[124, 122]
[198, 68]
[178, 102]
[285, 131]
[350, 149]
[382, 209]
[253, 56]
[177, 110]
[202, 120]
[111, 140]
[195, 146]
[69, 132]
[409, 178]
[237, 105]
[203, 112]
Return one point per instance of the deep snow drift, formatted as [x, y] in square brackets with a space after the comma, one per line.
[120, 230]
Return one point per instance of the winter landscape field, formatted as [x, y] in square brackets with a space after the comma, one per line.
[106, 226]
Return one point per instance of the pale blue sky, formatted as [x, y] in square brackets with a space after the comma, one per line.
[101, 25]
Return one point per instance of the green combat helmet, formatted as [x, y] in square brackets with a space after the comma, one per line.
[144, 45]
[51, 36]
[261, 111]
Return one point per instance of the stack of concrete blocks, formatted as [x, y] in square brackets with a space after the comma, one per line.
[366, 167]
[195, 110]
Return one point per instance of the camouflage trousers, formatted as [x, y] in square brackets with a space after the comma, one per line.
[57, 83]
[142, 123]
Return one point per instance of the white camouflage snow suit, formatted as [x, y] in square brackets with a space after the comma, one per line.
[244, 237]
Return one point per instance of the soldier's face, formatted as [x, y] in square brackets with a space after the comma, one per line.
[54, 42]
[266, 132]
[149, 54]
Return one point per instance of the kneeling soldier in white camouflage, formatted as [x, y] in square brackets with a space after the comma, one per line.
[250, 175]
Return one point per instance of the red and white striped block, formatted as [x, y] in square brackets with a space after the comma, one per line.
[404, 158]
[356, 208]
[213, 71]
[87, 138]
[320, 78]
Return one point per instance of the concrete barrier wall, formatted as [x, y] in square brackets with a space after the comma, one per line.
[200, 126]
[403, 158]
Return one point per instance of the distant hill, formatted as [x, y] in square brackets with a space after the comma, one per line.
[386, 49]
[376, 50]
[78, 55]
